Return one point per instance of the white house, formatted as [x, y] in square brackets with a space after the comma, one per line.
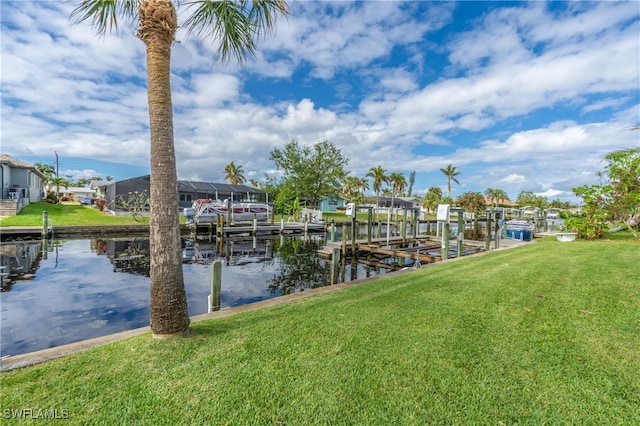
[20, 184]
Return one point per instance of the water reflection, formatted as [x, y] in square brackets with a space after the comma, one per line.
[59, 292]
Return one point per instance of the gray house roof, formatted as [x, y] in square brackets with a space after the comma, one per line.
[19, 164]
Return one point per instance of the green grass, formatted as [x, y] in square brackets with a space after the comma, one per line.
[65, 214]
[547, 333]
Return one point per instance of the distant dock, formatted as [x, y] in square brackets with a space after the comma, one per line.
[17, 233]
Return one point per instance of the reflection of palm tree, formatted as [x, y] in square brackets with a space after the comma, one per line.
[236, 26]
[378, 174]
[234, 174]
[451, 173]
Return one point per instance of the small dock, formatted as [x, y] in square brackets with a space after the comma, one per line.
[394, 255]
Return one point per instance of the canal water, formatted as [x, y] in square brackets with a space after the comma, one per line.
[63, 291]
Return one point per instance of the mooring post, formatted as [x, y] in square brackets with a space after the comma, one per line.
[255, 224]
[216, 286]
[332, 229]
[487, 240]
[416, 223]
[353, 236]
[445, 241]
[344, 240]
[404, 224]
[496, 236]
[335, 265]
[369, 224]
[281, 225]
[460, 231]
[45, 223]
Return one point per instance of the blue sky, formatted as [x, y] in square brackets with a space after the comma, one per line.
[521, 96]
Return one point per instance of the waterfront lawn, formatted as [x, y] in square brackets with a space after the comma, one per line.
[547, 333]
[66, 214]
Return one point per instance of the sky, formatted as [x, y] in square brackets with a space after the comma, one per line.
[518, 96]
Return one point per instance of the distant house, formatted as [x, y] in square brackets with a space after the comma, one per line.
[21, 184]
[75, 193]
[331, 204]
[401, 202]
[98, 186]
[188, 191]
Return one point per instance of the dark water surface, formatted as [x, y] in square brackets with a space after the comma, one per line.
[67, 291]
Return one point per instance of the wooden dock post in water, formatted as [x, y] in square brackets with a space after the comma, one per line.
[445, 241]
[333, 230]
[216, 286]
[344, 241]
[487, 240]
[335, 265]
[369, 224]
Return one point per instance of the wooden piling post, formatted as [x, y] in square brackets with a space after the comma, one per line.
[487, 240]
[353, 236]
[335, 265]
[369, 225]
[344, 241]
[460, 231]
[445, 241]
[255, 224]
[333, 230]
[216, 286]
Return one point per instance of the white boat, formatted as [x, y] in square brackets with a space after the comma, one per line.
[566, 237]
[208, 211]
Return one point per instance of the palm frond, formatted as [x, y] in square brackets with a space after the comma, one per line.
[235, 25]
[103, 14]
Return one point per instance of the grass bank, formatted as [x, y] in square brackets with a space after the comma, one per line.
[66, 214]
[548, 333]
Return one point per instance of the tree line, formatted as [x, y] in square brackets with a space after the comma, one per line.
[312, 173]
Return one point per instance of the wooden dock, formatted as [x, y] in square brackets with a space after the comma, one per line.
[241, 230]
[425, 249]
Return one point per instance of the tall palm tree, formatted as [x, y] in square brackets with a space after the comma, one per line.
[234, 174]
[451, 173]
[235, 26]
[398, 184]
[379, 176]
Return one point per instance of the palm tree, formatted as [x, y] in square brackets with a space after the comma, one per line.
[495, 195]
[432, 198]
[378, 174]
[234, 174]
[451, 174]
[236, 26]
[398, 184]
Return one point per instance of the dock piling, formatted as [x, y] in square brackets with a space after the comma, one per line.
[216, 286]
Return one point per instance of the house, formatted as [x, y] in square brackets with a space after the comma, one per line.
[98, 186]
[188, 191]
[75, 193]
[21, 184]
[402, 202]
[331, 204]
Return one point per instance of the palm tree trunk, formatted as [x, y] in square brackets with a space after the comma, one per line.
[168, 300]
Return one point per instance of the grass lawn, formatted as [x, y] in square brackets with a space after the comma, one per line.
[547, 333]
[65, 214]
